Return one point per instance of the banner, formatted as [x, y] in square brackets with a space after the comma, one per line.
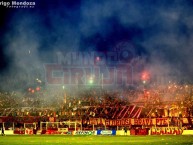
[129, 121]
[63, 129]
[19, 131]
[166, 131]
[28, 131]
[106, 132]
[83, 132]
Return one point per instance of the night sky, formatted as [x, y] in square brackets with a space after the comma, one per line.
[161, 32]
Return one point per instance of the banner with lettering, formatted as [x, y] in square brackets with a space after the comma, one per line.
[129, 121]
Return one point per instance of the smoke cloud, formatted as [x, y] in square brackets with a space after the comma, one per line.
[161, 33]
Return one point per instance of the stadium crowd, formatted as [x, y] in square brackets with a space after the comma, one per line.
[156, 101]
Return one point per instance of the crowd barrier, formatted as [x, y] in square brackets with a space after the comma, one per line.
[66, 131]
